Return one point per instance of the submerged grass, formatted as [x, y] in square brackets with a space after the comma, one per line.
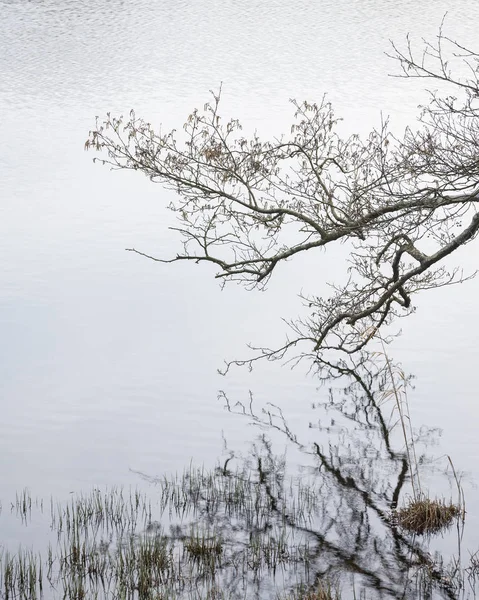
[113, 544]
[21, 574]
[211, 535]
[234, 531]
[204, 549]
[324, 590]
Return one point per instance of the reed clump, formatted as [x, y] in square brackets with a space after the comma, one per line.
[421, 514]
[424, 516]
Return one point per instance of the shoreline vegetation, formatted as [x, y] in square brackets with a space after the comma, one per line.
[341, 527]
[210, 534]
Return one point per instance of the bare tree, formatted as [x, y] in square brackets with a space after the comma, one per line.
[246, 205]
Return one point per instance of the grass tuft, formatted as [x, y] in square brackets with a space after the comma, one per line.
[425, 516]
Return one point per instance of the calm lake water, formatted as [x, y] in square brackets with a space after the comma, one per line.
[108, 362]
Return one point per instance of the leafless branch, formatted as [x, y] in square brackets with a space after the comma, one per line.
[246, 205]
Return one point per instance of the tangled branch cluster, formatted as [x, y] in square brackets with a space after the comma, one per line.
[246, 205]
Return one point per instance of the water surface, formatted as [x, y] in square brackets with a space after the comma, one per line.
[108, 362]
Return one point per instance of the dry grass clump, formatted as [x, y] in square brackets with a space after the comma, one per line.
[425, 516]
[324, 590]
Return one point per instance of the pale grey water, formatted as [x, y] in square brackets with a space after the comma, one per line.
[107, 361]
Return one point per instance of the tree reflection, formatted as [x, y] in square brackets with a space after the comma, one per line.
[250, 529]
[358, 476]
[253, 527]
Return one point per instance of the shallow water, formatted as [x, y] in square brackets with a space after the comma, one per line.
[108, 362]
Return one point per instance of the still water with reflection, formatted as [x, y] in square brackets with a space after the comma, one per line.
[108, 362]
[252, 527]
